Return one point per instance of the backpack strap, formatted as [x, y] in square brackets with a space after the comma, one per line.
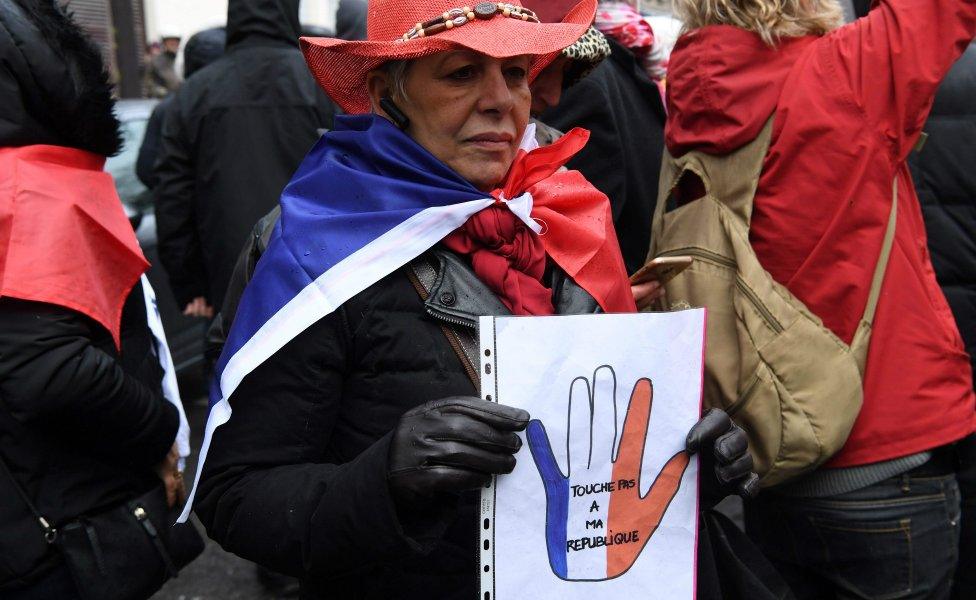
[731, 178]
[859, 345]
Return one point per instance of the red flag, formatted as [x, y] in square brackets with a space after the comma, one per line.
[64, 236]
[577, 223]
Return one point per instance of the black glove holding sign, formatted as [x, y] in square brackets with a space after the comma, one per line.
[452, 445]
[726, 464]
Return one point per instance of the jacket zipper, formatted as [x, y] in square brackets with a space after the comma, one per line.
[723, 261]
[744, 397]
[448, 319]
[706, 255]
[451, 336]
[767, 316]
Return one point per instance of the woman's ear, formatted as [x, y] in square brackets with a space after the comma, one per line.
[378, 87]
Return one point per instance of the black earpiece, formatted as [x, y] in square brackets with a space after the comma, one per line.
[396, 115]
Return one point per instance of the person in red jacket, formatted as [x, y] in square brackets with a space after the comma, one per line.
[880, 520]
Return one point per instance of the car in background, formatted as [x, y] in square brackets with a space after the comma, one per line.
[185, 335]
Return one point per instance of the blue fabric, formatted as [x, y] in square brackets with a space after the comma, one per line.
[359, 181]
[557, 496]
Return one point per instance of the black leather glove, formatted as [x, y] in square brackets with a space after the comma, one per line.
[452, 445]
[729, 454]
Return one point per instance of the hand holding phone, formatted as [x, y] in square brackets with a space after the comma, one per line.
[662, 269]
[647, 284]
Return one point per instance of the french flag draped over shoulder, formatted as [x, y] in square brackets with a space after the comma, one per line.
[367, 200]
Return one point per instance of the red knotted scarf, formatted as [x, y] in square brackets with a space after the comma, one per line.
[64, 237]
[577, 233]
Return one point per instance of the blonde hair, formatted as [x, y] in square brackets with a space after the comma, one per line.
[771, 19]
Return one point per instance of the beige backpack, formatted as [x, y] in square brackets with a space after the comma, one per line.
[786, 379]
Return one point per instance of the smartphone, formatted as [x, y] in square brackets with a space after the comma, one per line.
[662, 269]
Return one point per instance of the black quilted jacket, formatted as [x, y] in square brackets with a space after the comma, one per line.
[296, 480]
[81, 425]
[944, 172]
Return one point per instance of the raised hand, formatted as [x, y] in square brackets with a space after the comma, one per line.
[597, 522]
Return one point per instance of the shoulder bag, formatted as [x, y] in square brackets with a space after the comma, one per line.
[124, 553]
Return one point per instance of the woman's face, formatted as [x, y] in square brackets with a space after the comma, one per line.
[469, 110]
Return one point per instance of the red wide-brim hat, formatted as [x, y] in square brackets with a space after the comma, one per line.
[341, 66]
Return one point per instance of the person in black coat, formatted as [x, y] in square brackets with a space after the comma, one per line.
[235, 134]
[623, 110]
[203, 48]
[357, 447]
[946, 183]
[84, 425]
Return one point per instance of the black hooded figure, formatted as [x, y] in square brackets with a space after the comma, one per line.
[236, 132]
[203, 48]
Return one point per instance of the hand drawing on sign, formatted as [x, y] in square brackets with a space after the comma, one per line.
[597, 521]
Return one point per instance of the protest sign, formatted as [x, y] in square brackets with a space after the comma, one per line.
[603, 500]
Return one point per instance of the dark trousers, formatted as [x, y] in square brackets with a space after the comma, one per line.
[895, 539]
[965, 581]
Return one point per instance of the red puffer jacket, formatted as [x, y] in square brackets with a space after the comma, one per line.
[849, 106]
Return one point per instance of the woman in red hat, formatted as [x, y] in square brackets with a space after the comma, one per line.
[346, 444]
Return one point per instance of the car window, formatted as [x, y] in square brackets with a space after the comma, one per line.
[122, 167]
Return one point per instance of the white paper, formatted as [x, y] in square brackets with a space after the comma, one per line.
[579, 523]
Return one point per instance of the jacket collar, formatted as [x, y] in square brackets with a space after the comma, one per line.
[458, 297]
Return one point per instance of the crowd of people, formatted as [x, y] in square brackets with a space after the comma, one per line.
[321, 201]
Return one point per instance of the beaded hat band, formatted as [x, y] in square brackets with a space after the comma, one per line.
[457, 17]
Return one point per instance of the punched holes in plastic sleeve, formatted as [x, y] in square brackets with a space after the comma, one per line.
[488, 370]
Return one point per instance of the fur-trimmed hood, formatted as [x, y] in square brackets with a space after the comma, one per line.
[53, 85]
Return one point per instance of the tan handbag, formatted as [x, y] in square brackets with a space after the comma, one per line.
[783, 376]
